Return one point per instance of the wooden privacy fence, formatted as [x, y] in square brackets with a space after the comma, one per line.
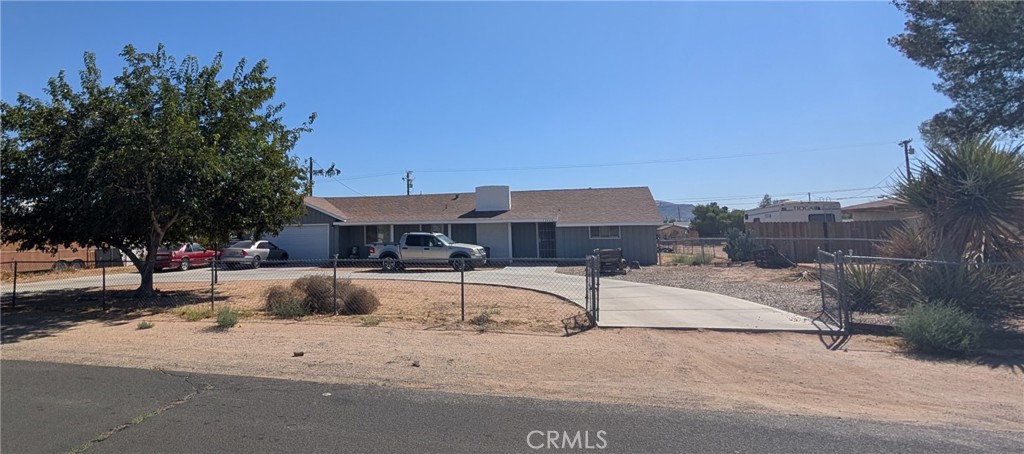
[800, 240]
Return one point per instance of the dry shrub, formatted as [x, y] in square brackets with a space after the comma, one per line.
[286, 302]
[319, 292]
[358, 300]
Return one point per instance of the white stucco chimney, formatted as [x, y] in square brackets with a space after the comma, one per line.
[493, 198]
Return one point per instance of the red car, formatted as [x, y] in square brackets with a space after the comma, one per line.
[186, 256]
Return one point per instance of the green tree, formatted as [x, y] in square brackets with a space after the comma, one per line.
[975, 47]
[971, 197]
[713, 221]
[765, 201]
[167, 152]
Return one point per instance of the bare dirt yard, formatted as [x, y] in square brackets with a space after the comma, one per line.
[417, 340]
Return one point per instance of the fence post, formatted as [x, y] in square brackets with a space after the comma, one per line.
[844, 313]
[14, 292]
[213, 280]
[462, 285]
[335, 281]
[103, 292]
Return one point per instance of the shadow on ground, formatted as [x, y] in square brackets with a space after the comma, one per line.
[45, 314]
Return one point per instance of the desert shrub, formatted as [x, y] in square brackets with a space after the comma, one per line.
[372, 320]
[866, 286]
[940, 327]
[227, 317]
[144, 325]
[286, 302]
[357, 300]
[740, 246]
[318, 292]
[692, 260]
[193, 314]
[990, 292]
[484, 319]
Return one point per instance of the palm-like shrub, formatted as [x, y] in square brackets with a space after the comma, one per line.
[971, 198]
[866, 286]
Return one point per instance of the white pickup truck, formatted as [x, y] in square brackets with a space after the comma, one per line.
[427, 248]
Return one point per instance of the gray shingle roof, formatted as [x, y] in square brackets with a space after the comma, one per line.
[607, 206]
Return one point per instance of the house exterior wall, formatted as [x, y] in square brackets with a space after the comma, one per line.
[638, 243]
[495, 237]
[349, 236]
[315, 217]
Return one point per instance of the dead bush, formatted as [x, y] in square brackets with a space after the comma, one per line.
[286, 302]
[319, 292]
[358, 300]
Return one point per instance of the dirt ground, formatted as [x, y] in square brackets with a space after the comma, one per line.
[761, 373]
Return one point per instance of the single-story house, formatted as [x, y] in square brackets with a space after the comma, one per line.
[676, 231]
[878, 210]
[561, 223]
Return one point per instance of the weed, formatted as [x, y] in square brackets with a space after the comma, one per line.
[144, 325]
[286, 302]
[194, 314]
[227, 317]
[372, 320]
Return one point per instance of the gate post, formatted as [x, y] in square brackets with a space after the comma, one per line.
[844, 312]
[335, 283]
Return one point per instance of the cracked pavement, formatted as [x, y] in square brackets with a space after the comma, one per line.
[50, 407]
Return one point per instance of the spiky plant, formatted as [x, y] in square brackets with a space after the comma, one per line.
[971, 197]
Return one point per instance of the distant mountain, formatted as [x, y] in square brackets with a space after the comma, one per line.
[677, 211]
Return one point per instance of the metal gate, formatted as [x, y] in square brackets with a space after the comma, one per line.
[593, 289]
[834, 320]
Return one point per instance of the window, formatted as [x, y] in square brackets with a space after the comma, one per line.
[604, 232]
[197, 248]
[378, 234]
[415, 240]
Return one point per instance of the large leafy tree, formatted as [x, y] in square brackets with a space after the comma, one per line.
[167, 152]
[977, 51]
[712, 220]
[971, 198]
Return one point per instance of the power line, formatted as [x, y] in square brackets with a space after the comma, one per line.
[758, 197]
[335, 178]
[626, 163]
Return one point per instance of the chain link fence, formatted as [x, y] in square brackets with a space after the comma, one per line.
[536, 296]
[798, 250]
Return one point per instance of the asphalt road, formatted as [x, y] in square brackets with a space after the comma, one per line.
[50, 407]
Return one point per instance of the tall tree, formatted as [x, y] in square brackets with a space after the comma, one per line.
[975, 47]
[765, 201]
[712, 220]
[168, 151]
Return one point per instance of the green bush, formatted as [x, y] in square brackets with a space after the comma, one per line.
[144, 325]
[990, 292]
[194, 313]
[941, 328]
[286, 302]
[227, 317]
[319, 292]
[357, 300]
[866, 286]
[740, 246]
[692, 260]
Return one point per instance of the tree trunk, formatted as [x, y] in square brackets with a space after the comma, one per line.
[146, 268]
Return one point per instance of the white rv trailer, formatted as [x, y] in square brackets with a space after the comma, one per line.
[790, 211]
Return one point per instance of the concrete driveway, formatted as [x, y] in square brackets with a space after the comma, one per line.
[622, 304]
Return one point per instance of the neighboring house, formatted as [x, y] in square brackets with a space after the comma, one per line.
[676, 231]
[878, 210]
[564, 223]
[789, 211]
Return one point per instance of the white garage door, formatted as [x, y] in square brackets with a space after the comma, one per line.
[306, 242]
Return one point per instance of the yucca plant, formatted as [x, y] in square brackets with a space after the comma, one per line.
[866, 286]
[971, 198]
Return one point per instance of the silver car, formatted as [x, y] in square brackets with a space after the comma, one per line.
[252, 253]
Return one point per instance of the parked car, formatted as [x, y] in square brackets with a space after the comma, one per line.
[428, 247]
[187, 255]
[252, 253]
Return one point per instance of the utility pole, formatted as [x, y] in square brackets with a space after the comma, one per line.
[309, 183]
[907, 151]
[408, 182]
[808, 196]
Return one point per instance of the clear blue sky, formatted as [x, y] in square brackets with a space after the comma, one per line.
[468, 94]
